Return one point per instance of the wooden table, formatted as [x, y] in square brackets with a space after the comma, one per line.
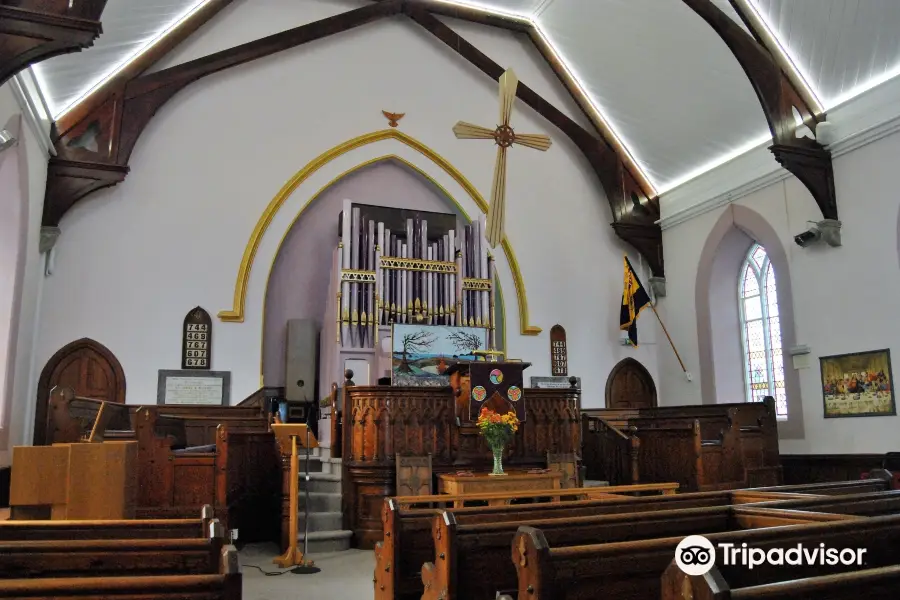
[482, 483]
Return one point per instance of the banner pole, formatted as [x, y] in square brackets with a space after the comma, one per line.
[671, 343]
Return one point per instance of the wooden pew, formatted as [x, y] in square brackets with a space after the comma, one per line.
[469, 557]
[70, 419]
[634, 569]
[112, 557]
[869, 504]
[226, 585]
[609, 452]
[239, 471]
[881, 583]
[876, 483]
[680, 452]
[408, 537]
[102, 530]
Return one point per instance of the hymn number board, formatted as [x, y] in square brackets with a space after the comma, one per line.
[196, 340]
[559, 355]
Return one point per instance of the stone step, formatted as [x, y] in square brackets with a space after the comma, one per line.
[315, 465]
[320, 502]
[329, 483]
[320, 542]
[595, 483]
[320, 521]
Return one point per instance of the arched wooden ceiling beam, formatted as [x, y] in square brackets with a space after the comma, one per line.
[35, 30]
[805, 158]
[106, 135]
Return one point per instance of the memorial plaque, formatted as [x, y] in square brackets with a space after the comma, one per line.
[196, 341]
[556, 383]
[210, 388]
[559, 355]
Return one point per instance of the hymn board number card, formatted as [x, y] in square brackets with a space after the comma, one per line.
[559, 356]
[196, 340]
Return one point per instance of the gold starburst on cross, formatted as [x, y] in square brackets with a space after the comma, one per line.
[504, 136]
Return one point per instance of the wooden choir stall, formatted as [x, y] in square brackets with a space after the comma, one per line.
[381, 423]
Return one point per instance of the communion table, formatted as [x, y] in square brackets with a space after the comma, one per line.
[482, 483]
[379, 423]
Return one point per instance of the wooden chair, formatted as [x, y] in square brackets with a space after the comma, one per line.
[414, 476]
[567, 464]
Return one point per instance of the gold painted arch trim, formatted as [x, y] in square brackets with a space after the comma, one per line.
[236, 314]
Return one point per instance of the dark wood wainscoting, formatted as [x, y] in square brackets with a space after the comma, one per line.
[812, 468]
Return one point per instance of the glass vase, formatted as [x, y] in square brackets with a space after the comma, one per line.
[498, 460]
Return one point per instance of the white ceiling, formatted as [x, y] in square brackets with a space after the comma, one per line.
[662, 78]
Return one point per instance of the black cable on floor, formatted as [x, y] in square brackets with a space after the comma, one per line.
[267, 573]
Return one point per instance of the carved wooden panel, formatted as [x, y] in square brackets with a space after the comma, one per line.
[567, 464]
[196, 340]
[414, 476]
[559, 354]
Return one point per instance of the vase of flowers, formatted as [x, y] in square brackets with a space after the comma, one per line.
[497, 430]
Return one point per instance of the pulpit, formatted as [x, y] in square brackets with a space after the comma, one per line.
[383, 422]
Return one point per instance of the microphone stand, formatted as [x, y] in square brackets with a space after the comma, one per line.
[308, 567]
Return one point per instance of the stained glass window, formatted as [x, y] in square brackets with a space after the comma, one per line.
[761, 331]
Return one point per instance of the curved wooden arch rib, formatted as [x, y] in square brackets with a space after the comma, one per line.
[622, 364]
[119, 121]
[43, 389]
[32, 31]
[806, 159]
[236, 314]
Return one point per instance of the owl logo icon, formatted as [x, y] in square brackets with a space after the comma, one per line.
[695, 555]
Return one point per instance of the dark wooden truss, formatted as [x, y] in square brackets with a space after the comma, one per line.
[35, 30]
[805, 158]
[94, 149]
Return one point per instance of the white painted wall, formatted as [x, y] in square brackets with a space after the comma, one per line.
[132, 260]
[844, 298]
[24, 378]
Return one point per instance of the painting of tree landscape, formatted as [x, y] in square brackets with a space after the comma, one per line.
[421, 354]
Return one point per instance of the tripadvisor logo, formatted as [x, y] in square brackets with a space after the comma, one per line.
[695, 555]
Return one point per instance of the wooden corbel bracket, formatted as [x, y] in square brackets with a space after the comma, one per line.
[35, 30]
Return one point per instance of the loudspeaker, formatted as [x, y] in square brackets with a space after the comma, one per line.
[301, 369]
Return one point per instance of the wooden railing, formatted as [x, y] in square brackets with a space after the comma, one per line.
[609, 454]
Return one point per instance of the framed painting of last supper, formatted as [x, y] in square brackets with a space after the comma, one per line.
[858, 384]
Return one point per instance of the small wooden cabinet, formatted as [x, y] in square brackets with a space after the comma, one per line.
[74, 481]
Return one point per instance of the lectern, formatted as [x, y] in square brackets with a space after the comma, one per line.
[295, 436]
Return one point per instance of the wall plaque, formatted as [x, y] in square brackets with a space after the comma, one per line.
[559, 355]
[210, 388]
[196, 340]
[557, 383]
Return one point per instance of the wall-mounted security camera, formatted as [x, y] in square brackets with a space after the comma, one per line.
[808, 237]
[826, 230]
[7, 139]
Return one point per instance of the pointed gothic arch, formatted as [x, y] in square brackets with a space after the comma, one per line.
[88, 367]
[739, 220]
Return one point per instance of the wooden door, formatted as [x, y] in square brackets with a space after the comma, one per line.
[630, 386]
[87, 367]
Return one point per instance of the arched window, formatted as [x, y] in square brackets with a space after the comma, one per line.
[761, 331]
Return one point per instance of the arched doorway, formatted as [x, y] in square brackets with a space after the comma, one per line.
[87, 367]
[630, 385]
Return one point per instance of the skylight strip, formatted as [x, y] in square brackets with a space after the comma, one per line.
[598, 113]
[790, 60]
[716, 163]
[595, 109]
[150, 42]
